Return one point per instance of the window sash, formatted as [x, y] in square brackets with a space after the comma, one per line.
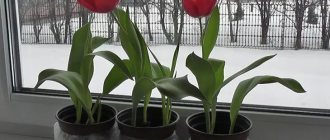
[33, 115]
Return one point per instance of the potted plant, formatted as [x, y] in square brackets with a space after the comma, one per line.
[139, 122]
[83, 117]
[209, 73]
[143, 122]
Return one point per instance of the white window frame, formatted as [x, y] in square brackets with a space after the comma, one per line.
[33, 115]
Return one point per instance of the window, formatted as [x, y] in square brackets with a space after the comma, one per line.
[310, 67]
[47, 27]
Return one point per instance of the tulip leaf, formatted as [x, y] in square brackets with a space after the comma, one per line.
[178, 88]
[247, 69]
[246, 86]
[97, 41]
[146, 66]
[129, 39]
[204, 74]
[218, 68]
[175, 58]
[211, 33]
[142, 86]
[87, 69]
[159, 71]
[116, 77]
[81, 45]
[71, 80]
[114, 59]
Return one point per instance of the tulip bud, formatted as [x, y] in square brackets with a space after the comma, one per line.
[99, 6]
[198, 8]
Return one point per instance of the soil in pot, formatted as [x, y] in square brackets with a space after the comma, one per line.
[197, 127]
[153, 130]
[66, 119]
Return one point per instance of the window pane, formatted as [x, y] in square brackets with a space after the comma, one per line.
[47, 27]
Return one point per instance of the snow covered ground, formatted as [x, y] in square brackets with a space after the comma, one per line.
[311, 68]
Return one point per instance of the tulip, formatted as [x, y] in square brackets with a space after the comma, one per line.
[99, 6]
[198, 8]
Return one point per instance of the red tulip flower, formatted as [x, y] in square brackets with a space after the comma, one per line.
[198, 8]
[99, 6]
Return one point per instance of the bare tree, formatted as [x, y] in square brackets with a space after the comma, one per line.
[284, 4]
[325, 23]
[311, 15]
[146, 12]
[110, 22]
[231, 30]
[264, 7]
[69, 7]
[300, 8]
[175, 10]
[36, 19]
[23, 8]
[239, 14]
[56, 23]
[177, 13]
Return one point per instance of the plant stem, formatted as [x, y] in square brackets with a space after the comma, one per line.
[213, 115]
[133, 119]
[78, 113]
[201, 30]
[207, 118]
[99, 113]
[90, 118]
[145, 110]
[168, 108]
[164, 109]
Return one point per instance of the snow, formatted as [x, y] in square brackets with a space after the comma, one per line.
[310, 68]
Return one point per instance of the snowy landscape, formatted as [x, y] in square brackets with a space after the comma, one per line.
[311, 68]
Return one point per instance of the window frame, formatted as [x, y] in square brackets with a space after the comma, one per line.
[33, 114]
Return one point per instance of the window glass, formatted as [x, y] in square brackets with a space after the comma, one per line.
[46, 28]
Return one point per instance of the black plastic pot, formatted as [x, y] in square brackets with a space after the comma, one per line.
[66, 117]
[153, 130]
[197, 127]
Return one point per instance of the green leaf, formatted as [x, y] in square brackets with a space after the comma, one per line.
[204, 74]
[218, 68]
[211, 33]
[87, 69]
[131, 46]
[246, 86]
[174, 59]
[71, 80]
[178, 88]
[247, 69]
[146, 66]
[81, 45]
[116, 77]
[97, 41]
[158, 67]
[141, 88]
[133, 39]
[159, 71]
[114, 59]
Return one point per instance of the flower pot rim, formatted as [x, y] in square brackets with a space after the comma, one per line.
[139, 127]
[69, 123]
[201, 113]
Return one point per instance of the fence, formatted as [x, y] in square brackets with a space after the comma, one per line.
[246, 28]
